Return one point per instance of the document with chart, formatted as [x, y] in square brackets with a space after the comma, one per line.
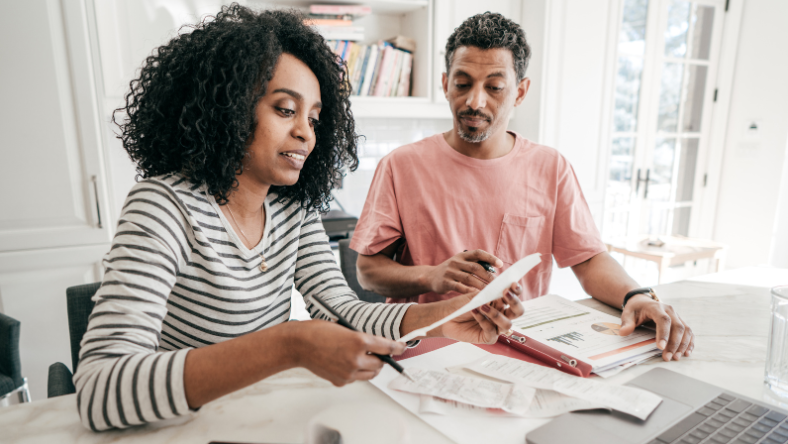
[578, 339]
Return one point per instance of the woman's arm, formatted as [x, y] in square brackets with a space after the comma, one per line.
[318, 273]
[328, 350]
[122, 379]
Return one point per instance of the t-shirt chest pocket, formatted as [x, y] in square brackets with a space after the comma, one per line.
[519, 237]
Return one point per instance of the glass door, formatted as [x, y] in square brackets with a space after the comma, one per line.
[666, 60]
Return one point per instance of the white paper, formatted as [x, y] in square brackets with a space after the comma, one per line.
[494, 290]
[549, 403]
[479, 392]
[472, 427]
[616, 369]
[582, 333]
[633, 401]
[444, 407]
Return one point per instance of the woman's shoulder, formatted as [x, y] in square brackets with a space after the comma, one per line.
[170, 192]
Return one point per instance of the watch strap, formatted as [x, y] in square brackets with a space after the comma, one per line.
[646, 290]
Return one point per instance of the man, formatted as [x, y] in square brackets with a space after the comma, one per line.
[481, 188]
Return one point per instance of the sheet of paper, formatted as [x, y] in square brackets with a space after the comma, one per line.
[581, 332]
[438, 406]
[473, 427]
[494, 290]
[479, 392]
[549, 403]
[633, 401]
[616, 369]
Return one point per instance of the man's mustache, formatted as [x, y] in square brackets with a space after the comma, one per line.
[472, 113]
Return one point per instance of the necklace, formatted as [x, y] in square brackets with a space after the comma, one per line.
[263, 264]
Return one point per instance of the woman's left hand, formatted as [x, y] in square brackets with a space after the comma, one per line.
[483, 325]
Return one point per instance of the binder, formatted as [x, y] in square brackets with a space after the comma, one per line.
[546, 355]
[586, 339]
[520, 345]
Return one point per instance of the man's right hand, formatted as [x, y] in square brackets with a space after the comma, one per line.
[462, 273]
[341, 355]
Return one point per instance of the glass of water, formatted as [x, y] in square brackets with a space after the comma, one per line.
[776, 375]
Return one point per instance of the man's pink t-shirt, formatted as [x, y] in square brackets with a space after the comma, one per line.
[443, 202]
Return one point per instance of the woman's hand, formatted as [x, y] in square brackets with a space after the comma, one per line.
[483, 325]
[341, 355]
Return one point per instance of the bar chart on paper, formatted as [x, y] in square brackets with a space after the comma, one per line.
[582, 333]
[568, 338]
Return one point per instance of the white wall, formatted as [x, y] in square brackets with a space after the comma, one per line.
[779, 250]
[753, 164]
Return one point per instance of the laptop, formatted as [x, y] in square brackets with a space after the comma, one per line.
[691, 412]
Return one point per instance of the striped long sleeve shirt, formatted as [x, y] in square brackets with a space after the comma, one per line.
[178, 277]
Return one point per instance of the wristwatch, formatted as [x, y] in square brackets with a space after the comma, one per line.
[648, 291]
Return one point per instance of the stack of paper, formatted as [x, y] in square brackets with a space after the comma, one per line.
[557, 388]
[570, 331]
[463, 422]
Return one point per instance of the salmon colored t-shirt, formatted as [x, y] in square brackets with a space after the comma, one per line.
[443, 202]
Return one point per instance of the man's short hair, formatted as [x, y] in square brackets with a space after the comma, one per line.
[491, 30]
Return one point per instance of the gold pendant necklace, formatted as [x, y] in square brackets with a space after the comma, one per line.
[263, 264]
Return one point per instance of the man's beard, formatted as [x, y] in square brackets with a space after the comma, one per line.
[475, 137]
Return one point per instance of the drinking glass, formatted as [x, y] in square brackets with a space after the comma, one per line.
[776, 374]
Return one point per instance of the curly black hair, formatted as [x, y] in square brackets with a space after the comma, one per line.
[192, 108]
[491, 30]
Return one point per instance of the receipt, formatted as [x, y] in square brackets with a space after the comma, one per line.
[549, 403]
[633, 401]
[472, 391]
[493, 290]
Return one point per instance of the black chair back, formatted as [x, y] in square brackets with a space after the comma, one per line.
[79, 304]
[10, 365]
[347, 262]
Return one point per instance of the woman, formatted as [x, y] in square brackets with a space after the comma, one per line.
[239, 130]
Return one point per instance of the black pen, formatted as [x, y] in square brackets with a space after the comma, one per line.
[341, 321]
[486, 265]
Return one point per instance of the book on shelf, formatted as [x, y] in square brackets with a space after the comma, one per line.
[378, 69]
[335, 22]
[354, 11]
[331, 22]
[404, 43]
[351, 33]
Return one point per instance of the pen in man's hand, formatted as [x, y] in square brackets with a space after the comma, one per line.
[486, 265]
[341, 321]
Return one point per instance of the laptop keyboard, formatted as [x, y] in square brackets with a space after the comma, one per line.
[728, 420]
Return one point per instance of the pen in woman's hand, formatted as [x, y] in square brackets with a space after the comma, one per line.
[341, 321]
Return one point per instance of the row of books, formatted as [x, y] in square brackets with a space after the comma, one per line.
[335, 22]
[380, 70]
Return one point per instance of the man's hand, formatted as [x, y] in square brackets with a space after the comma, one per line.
[462, 273]
[339, 354]
[484, 324]
[674, 336]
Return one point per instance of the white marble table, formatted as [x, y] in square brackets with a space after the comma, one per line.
[730, 321]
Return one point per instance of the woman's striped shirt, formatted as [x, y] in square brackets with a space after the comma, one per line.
[178, 277]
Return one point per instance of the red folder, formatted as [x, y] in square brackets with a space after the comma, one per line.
[506, 346]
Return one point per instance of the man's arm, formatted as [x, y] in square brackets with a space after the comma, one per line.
[461, 273]
[604, 279]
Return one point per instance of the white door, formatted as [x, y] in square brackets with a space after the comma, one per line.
[664, 93]
[50, 173]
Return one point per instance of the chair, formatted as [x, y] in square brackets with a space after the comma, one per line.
[79, 304]
[13, 387]
[347, 262]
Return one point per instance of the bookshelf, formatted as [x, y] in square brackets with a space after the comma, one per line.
[389, 18]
